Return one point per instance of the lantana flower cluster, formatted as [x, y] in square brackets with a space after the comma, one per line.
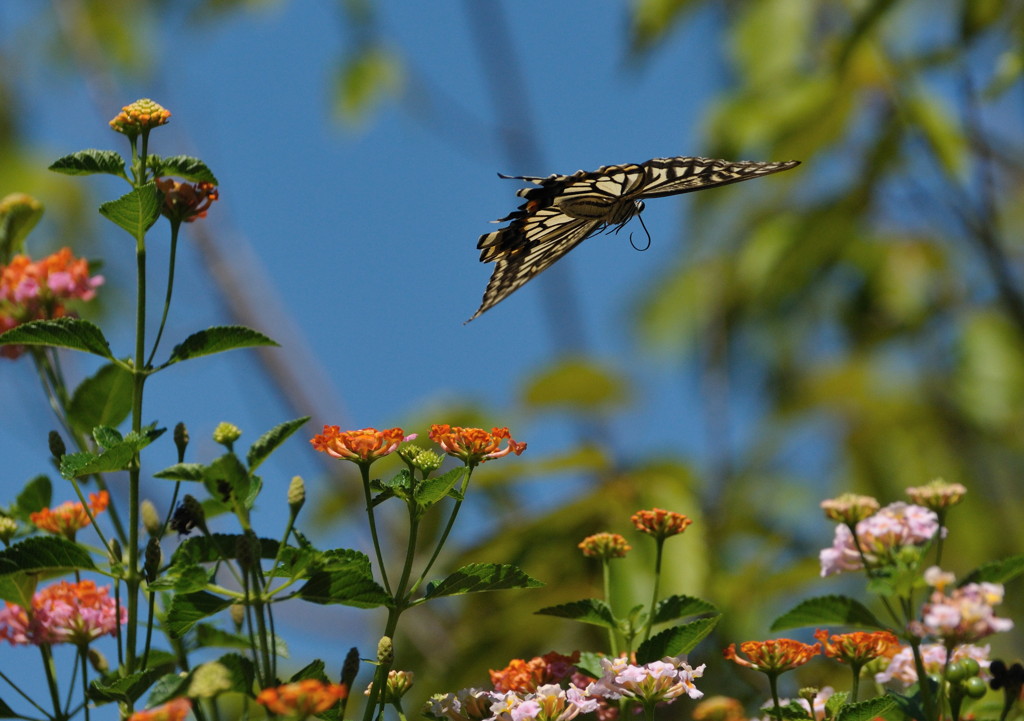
[75, 613]
[880, 537]
[549, 688]
[38, 289]
[470, 445]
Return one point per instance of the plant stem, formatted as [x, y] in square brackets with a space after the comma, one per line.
[606, 573]
[657, 583]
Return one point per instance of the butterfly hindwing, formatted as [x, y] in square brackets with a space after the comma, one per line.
[561, 211]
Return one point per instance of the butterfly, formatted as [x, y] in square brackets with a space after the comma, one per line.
[564, 210]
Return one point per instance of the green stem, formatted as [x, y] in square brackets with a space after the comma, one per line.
[855, 686]
[364, 470]
[773, 684]
[447, 530]
[606, 573]
[657, 584]
[82, 654]
[923, 682]
[51, 681]
[175, 225]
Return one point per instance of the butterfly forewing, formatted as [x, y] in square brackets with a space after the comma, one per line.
[562, 211]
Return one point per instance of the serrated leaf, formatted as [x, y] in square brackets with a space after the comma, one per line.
[182, 579]
[67, 332]
[315, 669]
[1001, 571]
[479, 577]
[77, 465]
[88, 162]
[269, 441]
[124, 690]
[182, 166]
[587, 610]
[186, 610]
[350, 587]
[107, 437]
[676, 607]
[35, 496]
[867, 710]
[182, 472]
[167, 687]
[135, 211]
[43, 557]
[104, 399]
[825, 611]
[676, 641]
[432, 490]
[217, 340]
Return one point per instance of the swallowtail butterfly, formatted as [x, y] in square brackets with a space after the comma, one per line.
[564, 210]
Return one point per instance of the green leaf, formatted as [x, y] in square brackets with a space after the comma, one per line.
[168, 687]
[827, 610]
[40, 557]
[676, 641]
[478, 577]
[104, 399]
[89, 162]
[107, 437]
[217, 340]
[269, 441]
[588, 610]
[867, 710]
[576, 384]
[350, 587]
[365, 80]
[315, 669]
[135, 211]
[67, 332]
[218, 547]
[242, 670]
[124, 690]
[35, 496]
[182, 578]
[432, 490]
[182, 472]
[186, 610]
[676, 607]
[1001, 571]
[182, 166]
[76, 465]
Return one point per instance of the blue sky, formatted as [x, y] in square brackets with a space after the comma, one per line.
[366, 239]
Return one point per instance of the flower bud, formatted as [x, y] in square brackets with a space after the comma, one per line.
[188, 515]
[153, 557]
[8, 527]
[209, 680]
[150, 518]
[57, 447]
[141, 115]
[181, 440]
[247, 550]
[350, 668]
[226, 434]
[237, 612]
[116, 554]
[296, 494]
[19, 213]
[98, 661]
[385, 650]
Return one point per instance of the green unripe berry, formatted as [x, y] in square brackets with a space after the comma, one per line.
[971, 666]
[974, 687]
[956, 672]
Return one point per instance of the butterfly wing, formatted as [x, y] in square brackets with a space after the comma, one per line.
[671, 176]
[531, 243]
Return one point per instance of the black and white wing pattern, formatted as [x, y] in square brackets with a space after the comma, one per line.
[564, 210]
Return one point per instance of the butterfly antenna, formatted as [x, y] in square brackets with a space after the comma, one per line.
[641, 219]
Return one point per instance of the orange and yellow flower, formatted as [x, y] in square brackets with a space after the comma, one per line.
[604, 545]
[858, 647]
[773, 656]
[305, 697]
[474, 445]
[660, 523]
[523, 676]
[363, 446]
[68, 518]
[175, 710]
[141, 115]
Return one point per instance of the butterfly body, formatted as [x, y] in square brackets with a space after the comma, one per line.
[562, 211]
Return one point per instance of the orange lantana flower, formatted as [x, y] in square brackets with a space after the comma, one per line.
[175, 710]
[186, 201]
[604, 545]
[660, 523]
[306, 697]
[474, 445]
[527, 676]
[363, 446]
[67, 518]
[774, 656]
[141, 115]
[858, 647]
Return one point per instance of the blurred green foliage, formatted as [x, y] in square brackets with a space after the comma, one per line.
[871, 296]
